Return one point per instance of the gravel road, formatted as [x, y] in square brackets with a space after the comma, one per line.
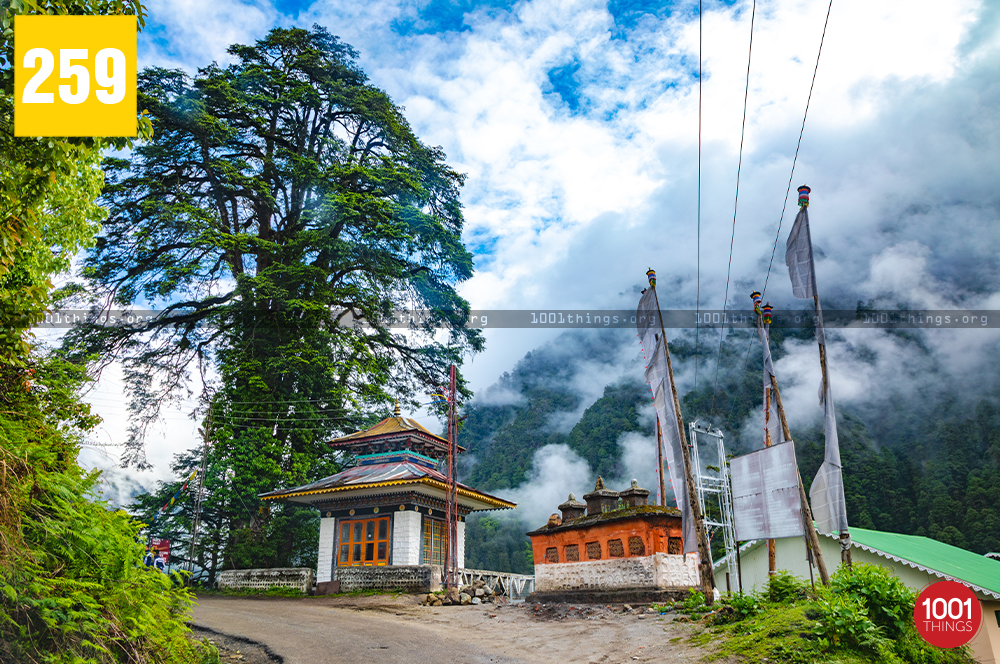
[397, 630]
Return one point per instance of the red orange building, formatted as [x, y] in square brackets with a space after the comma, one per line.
[616, 546]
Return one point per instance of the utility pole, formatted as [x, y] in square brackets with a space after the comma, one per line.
[451, 508]
[205, 434]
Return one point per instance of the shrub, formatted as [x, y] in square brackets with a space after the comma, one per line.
[888, 601]
[694, 602]
[844, 621]
[737, 607]
[72, 584]
[784, 588]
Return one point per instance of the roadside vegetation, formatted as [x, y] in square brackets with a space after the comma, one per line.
[866, 615]
[72, 584]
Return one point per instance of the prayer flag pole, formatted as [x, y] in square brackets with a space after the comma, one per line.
[813, 537]
[827, 489]
[772, 561]
[705, 560]
[659, 464]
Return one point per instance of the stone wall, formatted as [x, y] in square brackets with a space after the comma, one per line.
[658, 571]
[405, 538]
[327, 548]
[299, 578]
[414, 578]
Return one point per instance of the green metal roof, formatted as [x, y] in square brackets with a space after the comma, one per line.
[932, 556]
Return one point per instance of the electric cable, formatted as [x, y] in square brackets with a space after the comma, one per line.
[732, 239]
[697, 303]
[791, 175]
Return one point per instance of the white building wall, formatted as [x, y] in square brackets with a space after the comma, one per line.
[660, 571]
[461, 544]
[406, 537]
[327, 549]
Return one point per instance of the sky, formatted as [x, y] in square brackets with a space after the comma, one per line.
[577, 124]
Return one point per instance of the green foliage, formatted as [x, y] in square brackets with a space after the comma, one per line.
[784, 587]
[843, 621]
[738, 606]
[73, 587]
[47, 189]
[305, 213]
[889, 603]
[694, 603]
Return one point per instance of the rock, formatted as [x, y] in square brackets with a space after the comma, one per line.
[476, 600]
[480, 592]
[430, 598]
[464, 598]
[437, 602]
[682, 619]
[452, 596]
[627, 607]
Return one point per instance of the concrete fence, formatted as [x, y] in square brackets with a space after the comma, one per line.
[298, 578]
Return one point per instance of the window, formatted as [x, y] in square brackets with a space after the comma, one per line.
[552, 555]
[572, 552]
[636, 546]
[615, 549]
[674, 545]
[364, 543]
[433, 551]
[594, 550]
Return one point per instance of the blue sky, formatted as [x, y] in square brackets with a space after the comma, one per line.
[576, 123]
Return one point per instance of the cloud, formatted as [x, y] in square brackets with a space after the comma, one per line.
[553, 469]
[576, 123]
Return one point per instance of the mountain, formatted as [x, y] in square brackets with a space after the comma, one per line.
[920, 457]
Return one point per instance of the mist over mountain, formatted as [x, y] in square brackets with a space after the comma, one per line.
[920, 442]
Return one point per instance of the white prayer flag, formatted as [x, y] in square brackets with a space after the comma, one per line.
[827, 492]
[651, 334]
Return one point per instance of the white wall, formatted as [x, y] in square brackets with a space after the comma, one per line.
[406, 537]
[327, 549]
[461, 544]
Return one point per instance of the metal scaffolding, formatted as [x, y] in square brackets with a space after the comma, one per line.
[712, 484]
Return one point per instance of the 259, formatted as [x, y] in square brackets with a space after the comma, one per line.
[109, 72]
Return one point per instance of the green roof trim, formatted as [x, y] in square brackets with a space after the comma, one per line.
[933, 556]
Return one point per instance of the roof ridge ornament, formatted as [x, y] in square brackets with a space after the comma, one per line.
[395, 411]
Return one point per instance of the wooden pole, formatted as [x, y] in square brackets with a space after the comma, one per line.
[824, 576]
[845, 552]
[205, 433]
[772, 559]
[705, 562]
[739, 567]
[659, 463]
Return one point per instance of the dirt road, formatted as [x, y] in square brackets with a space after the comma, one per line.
[396, 630]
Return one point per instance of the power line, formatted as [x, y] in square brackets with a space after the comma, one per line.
[697, 303]
[795, 159]
[732, 239]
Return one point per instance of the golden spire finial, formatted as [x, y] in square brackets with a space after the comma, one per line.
[396, 410]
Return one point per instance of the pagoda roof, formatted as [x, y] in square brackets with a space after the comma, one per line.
[394, 433]
[388, 470]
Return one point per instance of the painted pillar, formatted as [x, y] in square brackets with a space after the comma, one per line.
[327, 549]
[461, 545]
[406, 537]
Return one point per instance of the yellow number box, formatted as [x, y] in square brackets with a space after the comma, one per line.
[75, 75]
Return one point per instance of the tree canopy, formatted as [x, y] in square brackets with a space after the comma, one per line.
[282, 212]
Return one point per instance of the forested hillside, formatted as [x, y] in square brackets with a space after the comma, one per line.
[926, 466]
